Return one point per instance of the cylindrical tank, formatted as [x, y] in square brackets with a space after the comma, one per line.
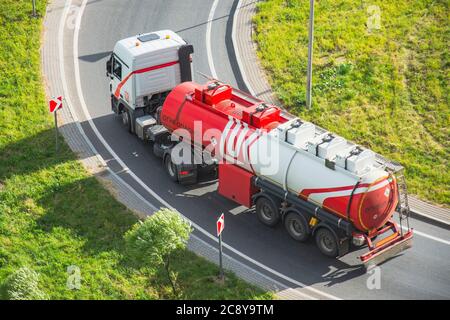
[252, 134]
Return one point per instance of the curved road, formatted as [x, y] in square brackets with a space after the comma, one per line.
[420, 272]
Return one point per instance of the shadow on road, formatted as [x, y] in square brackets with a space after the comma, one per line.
[95, 57]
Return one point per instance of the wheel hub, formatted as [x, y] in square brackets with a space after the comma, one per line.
[267, 213]
[296, 228]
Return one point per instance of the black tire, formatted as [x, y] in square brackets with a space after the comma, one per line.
[327, 242]
[113, 105]
[297, 226]
[171, 168]
[126, 119]
[158, 150]
[267, 212]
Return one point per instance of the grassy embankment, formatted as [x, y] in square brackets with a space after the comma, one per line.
[53, 214]
[386, 89]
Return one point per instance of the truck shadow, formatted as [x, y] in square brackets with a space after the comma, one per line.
[90, 215]
[67, 199]
[92, 58]
[32, 153]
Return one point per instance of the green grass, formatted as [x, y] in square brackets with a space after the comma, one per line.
[53, 214]
[386, 89]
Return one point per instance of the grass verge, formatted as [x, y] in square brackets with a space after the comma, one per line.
[53, 214]
[385, 88]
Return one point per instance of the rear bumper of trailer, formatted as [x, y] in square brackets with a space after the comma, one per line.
[387, 247]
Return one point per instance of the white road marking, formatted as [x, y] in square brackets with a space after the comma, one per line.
[208, 39]
[201, 190]
[425, 235]
[238, 210]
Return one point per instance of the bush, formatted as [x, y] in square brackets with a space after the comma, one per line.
[154, 240]
[24, 285]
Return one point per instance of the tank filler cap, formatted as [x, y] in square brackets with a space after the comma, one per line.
[213, 85]
[261, 107]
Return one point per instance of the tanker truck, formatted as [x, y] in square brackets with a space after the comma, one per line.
[316, 183]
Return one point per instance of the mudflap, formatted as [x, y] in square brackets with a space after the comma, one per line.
[388, 247]
[187, 174]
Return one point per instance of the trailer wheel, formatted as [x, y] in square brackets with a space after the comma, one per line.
[267, 212]
[126, 119]
[171, 168]
[296, 226]
[327, 242]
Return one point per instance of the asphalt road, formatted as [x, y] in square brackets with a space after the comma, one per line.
[420, 272]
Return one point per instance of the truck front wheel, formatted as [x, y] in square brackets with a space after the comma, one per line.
[171, 168]
[126, 119]
[267, 212]
[327, 242]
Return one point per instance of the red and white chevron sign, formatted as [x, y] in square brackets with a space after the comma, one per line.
[55, 104]
[220, 224]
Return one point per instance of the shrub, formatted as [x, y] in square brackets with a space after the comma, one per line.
[24, 285]
[154, 240]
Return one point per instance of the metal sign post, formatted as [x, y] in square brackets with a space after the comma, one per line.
[310, 54]
[56, 130]
[54, 105]
[220, 258]
[34, 8]
[220, 226]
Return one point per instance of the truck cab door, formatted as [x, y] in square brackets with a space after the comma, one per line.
[117, 70]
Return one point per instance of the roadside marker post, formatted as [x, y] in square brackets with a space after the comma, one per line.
[34, 9]
[54, 105]
[220, 226]
[310, 55]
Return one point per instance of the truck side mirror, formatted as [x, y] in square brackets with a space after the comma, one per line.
[109, 66]
[185, 59]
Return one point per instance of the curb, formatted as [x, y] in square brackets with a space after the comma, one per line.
[256, 81]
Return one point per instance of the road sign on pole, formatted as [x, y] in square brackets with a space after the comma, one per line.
[220, 226]
[54, 105]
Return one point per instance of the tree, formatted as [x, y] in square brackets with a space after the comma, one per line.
[154, 240]
[23, 285]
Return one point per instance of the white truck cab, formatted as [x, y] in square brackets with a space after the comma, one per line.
[143, 70]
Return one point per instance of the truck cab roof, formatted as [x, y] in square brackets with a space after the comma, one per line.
[133, 47]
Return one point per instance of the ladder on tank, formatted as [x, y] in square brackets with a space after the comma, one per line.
[397, 170]
[403, 206]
